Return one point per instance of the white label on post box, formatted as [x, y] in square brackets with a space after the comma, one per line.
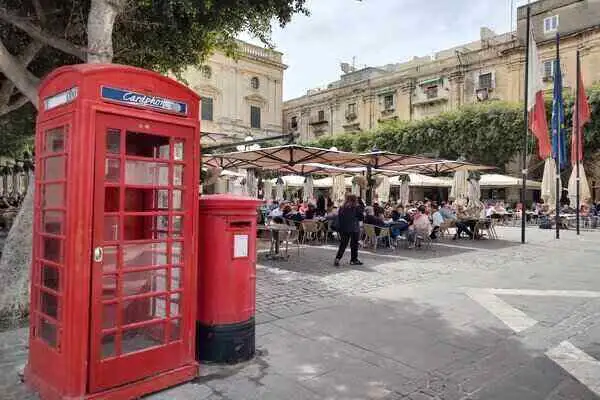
[240, 246]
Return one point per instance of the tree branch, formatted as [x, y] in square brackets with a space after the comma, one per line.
[28, 55]
[20, 102]
[36, 32]
[18, 74]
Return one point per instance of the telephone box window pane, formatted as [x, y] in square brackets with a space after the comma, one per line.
[175, 278]
[142, 255]
[51, 249]
[177, 226]
[112, 170]
[177, 199]
[140, 310]
[55, 140]
[109, 259]
[142, 227]
[53, 222]
[146, 173]
[54, 168]
[113, 141]
[50, 277]
[176, 251]
[109, 316]
[145, 145]
[53, 195]
[108, 345]
[175, 333]
[48, 332]
[142, 338]
[178, 175]
[175, 304]
[49, 305]
[109, 287]
[111, 199]
[178, 151]
[146, 199]
[111, 228]
[135, 283]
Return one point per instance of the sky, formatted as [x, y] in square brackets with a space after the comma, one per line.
[377, 32]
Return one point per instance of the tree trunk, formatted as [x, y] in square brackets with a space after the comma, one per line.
[15, 263]
[101, 21]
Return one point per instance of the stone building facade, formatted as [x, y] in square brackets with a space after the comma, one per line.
[241, 96]
[487, 69]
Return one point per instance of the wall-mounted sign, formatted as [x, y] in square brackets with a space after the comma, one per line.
[143, 100]
[61, 98]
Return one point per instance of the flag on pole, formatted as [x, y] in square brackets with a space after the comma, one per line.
[583, 109]
[538, 124]
[559, 148]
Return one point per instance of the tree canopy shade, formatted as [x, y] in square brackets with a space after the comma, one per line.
[37, 36]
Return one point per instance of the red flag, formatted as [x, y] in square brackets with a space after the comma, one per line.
[584, 117]
[535, 102]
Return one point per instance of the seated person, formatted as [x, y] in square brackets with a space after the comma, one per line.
[437, 222]
[464, 223]
[292, 213]
[372, 219]
[276, 214]
[311, 212]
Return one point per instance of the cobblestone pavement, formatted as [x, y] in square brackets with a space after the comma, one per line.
[462, 320]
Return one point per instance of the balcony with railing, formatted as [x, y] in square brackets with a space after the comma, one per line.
[257, 52]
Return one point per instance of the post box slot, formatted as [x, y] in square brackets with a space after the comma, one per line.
[240, 224]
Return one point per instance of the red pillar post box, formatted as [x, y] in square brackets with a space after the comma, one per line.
[113, 277]
[226, 278]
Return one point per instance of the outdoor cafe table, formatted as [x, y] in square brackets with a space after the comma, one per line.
[274, 236]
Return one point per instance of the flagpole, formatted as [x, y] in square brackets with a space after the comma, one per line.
[558, 147]
[526, 131]
[577, 138]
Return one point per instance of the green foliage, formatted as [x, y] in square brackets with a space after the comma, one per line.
[16, 132]
[164, 35]
[489, 133]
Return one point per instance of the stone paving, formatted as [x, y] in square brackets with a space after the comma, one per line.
[412, 324]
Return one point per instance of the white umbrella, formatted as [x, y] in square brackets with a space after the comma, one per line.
[383, 189]
[460, 186]
[355, 189]
[279, 189]
[339, 189]
[267, 189]
[548, 191]
[308, 189]
[404, 192]
[251, 183]
[474, 195]
[584, 187]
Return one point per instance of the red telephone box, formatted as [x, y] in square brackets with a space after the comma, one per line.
[113, 279]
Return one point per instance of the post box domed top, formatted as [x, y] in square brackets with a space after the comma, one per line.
[117, 84]
[227, 201]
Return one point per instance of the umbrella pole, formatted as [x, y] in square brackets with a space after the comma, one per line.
[577, 139]
[369, 193]
[526, 119]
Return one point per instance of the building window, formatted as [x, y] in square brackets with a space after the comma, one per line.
[485, 81]
[548, 70]
[294, 123]
[388, 101]
[431, 92]
[207, 108]
[551, 24]
[321, 116]
[352, 108]
[206, 72]
[254, 83]
[255, 117]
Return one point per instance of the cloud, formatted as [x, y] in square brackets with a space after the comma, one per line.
[378, 32]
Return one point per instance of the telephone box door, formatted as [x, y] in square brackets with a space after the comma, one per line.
[142, 250]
